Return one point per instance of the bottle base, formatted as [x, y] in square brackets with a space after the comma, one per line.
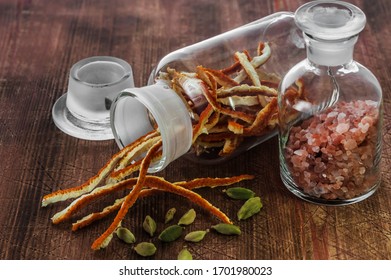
[77, 127]
[296, 190]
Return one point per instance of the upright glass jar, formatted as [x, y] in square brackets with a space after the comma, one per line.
[183, 93]
[330, 111]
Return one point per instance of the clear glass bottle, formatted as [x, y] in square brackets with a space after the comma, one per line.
[137, 111]
[330, 111]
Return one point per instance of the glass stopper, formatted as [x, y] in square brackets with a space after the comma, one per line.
[330, 20]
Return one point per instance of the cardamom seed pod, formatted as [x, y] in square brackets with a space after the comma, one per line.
[149, 225]
[195, 236]
[171, 233]
[169, 215]
[145, 249]
[240, 193]
[125, 235]
[187, 218]
[184, 254]
[227, 229]
[249, 208]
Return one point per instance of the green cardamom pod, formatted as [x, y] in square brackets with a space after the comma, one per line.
[169, 215]
[195, 236]
[171, 233]
[249, 208]
[240, 193]
[184, 254]
[125, 235]
[187, 218]
[227, 229]
[145, 249]
[149, 225]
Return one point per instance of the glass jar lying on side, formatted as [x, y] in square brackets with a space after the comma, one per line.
[215, 99]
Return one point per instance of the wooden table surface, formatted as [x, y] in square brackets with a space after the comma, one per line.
[39, 42]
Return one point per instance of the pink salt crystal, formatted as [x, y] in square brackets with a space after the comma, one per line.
[342, 128]
[336, 138]
[367, 120]
[363, 127]
[341, 116]
[350, 144]
[332, 114]
[302, 153]
[320, 167]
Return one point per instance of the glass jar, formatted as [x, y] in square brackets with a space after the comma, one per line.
[176, 96]
[330, 111]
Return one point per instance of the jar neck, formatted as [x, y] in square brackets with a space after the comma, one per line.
[137, 111]
[330, 52]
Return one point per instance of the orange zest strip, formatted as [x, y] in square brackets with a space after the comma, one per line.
[87, 220]
[213, 121]
[221, 78]
[213, 182]
[263, 56]
[193, 184]
[257, 61]
[139, 148]
[262, 121]
[199, 128]
[230, 145]
[80, 202]
[129, 200]
[251, 72]
[247, 90]
[235, 127]
[260, 48]
[235, 67]
[160, 183]
[249, 68]
[94, 181]
[211, 97]
[236, 101]
[120, 174]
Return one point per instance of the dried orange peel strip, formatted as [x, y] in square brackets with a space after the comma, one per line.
[211, 96]
[261, 122]
[248, 68]
[246, 90]
[87, 220]
[139, 148]
[83, 200]
[264, 53]
[94, 181]
[221, 78]
[161, 184]
[117, 176]
[181, 188]
[129, 200]
[213, 182]
[230, 145]
[199, 128]
[234, 101]
[190, 185]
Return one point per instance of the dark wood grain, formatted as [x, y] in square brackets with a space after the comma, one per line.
[39, 42]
